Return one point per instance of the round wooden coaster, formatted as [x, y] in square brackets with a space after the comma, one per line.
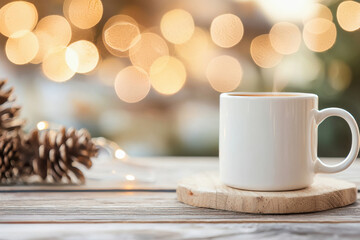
[206, 190]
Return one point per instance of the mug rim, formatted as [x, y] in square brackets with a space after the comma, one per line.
[268, 95]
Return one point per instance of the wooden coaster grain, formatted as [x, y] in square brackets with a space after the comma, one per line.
[206, 190]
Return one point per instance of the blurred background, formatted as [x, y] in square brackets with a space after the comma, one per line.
[148, 73]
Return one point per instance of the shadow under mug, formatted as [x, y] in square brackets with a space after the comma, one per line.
[268, 141]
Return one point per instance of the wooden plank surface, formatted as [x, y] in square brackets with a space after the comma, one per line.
[117, 210]
[165, 171]
[140, 207]
[147, 205]
[181, 231]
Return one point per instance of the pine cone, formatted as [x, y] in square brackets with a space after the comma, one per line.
[11, 167]
[58, 153]
[9, 120]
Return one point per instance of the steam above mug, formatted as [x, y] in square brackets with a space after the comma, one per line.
[268, 141]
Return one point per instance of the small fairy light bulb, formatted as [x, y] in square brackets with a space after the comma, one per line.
[120, 154]
[42, 125]
[130, 177]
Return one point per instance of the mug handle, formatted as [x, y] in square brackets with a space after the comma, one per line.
[320, 166]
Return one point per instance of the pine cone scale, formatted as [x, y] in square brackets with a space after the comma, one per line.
[51, 155]
[60, 153]
[9, 157]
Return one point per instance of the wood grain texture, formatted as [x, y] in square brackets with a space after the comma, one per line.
[167, 172]
[166, 231]
[140, 207]
[143, 211]
[206, 190]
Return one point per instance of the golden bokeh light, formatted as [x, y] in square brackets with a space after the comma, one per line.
[23, 49]
[103, 47]
[285, 38]
[177, 26]
[108, 70]
[319, 34]
[120, 154]
[196, 53]
[47, 32]
[339, 75]
[197, 45]
[122, 36]
[224, 73]
[262, 52]
[167, 75]
[150, 47]
[226, 30]
[56, 65]
[130, 177]
[318, 10]
[121, 32]
[132, 84]
[348, 15]
[83, 14]
[17, 18]
[112, 21]
[87, 55]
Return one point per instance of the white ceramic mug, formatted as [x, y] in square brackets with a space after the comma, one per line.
[268, 141]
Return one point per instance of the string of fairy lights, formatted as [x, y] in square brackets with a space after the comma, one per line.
[50, 42]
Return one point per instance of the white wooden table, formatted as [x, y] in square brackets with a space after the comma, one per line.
[151, 211]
